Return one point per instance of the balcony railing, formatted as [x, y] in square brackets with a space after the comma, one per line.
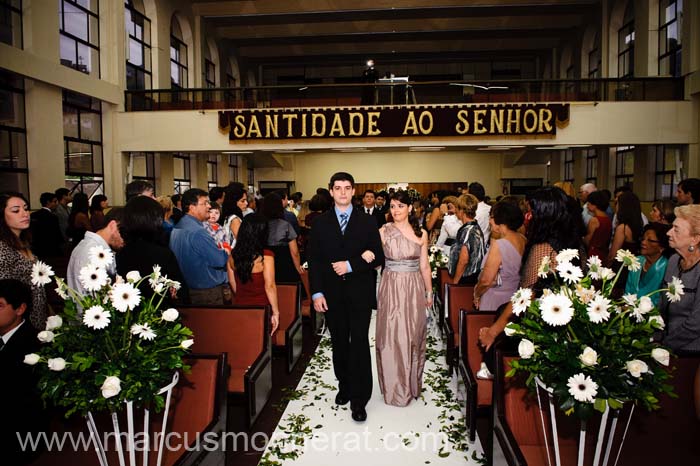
[435, 92]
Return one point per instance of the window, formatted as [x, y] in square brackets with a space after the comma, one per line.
[233, 164]
[144, 166]
[670, 33]
[591, 166]
[178, 57]
[14, 174]
[251, 177]
[11, 22]
[569, 165]
[230, 81]
[79, 40]
[212, 171]
[665, 173]
[594, 59]
[181, 173]
[625, 44]
[138, 32]
[624, 166]
[209, 74]
[82, 137]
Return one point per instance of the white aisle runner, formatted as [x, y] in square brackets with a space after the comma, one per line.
[315, 431]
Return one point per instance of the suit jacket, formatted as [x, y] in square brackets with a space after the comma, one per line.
[47, 240]
[176, 216]
[377, 215]
[327, 245]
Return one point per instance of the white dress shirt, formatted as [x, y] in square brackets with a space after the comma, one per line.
[80, 257]
[483, 211]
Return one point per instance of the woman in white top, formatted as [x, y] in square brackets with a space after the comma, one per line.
[450, 224]
[235, 202]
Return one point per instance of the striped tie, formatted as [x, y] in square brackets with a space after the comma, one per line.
[343, 222]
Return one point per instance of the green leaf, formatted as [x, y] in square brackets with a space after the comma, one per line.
[600, 405]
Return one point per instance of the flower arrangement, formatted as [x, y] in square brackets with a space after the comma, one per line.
[593, 351]
[437, 259]
[110, 345]
[413, 194]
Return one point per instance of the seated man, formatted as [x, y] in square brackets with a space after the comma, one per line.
[22, 409]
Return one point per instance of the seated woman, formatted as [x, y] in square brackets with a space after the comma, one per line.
[662, 212]
[282, 240]
[654, 259]
[599, 229]
[467, 252]
[251, 267]
[500, 274]
[450, 224]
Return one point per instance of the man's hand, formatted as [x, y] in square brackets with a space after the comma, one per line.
[320, 304]
[340, 267]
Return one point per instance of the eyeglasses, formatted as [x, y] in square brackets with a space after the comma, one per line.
[204, 203]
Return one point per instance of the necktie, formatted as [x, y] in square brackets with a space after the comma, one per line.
[343, 222]
[367, 210]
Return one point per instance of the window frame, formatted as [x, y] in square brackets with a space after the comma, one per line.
[14, 166]
[78, 40]
[182, 67]
[677, 51]
[209, 66]
[592, 166]
[150, 176]
[623, 178]
[81, 178]
[186, 181]
[661, 172]
[569, 161]
[145, 69]
[628, 52]
[233, 165]
[212, 167]
[12, 12]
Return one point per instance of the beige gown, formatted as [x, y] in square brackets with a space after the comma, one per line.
[401, 320]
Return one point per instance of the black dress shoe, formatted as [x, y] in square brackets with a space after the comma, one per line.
[340, 399]
[359, 414]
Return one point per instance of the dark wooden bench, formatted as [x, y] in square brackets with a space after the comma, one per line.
[289, 335]
[307, 306]
[456, 297]
[479, 391]
[243, 333]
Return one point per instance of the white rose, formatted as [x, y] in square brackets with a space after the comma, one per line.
[589, 357]
[53, 322]
[659, 321]
[45, 336]
[645, 304]
[509, 331]
[133, 276]
[187, 343]
[661, 355]
[111, 386]
[526, 349]
[170, 315]
[56, 364]
[637, 367]
[31, 358]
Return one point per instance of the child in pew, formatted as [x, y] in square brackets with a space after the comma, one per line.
[251, 267]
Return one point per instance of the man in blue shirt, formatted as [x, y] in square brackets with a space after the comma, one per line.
[202, 263]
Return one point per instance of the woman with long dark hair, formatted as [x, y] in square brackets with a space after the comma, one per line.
[404, 293]
[235, 202]
[282, 240]
[79, 221]
[252, 267]
[98, 204]
[16, 258]
[144, 246]
[628, 230]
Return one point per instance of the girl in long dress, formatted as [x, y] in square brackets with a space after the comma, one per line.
[404, 293]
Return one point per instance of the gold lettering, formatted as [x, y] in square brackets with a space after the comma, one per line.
[545, 123]
[239, 130]
[429, 116]
[463, 125]
[271, 123]
[289, 117]
[337, 126]
[351, 124]
[411, 124]
[303, 124]
[515, 121]
[479, 121]
[372, 121]
[496, 121]
[314, 118]
[533, 127]
[254, 127]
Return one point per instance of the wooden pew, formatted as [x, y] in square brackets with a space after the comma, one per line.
[289, 335]
[456, 297]
[197, 408]
[307, 306]
[479, 391]
[243, 332]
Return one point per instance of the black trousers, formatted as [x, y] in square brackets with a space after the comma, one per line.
[349, 327]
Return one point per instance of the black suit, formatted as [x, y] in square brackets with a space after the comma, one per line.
[176, 215]
[47, 240]
[377, 215]
[350, 297]
[22, 407]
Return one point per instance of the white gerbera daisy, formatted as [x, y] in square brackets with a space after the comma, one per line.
[594, 266]
[582, 388]
[606, 273]
[569, 273]
[557, 309]
[567, 255]
[628, 259]
[521, 300]
[100, 256]
[41, 274]
[61, 288]
[630, 299]
[433, 249]
[433, 274]
[125, 297]
[586, 295]
[544, 268]
[156, 272]
[675, 290]
[93, 278]
[143, 331]
[598, 309]
[133, 276]
[96, 318]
